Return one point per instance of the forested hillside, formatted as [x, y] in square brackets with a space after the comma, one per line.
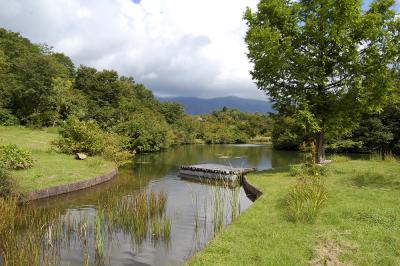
[43, 88]
[197, 106]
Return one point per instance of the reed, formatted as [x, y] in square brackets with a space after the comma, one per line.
[234, 201]
[218, 210]
[35, 236]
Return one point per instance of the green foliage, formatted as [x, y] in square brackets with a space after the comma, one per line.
[187, 130]
[345, 145]
[7, 119]
[81, 136]
[146, 132]
[114, 149]
[39, 87]
[89, 138]
[307, 169]
[27, 84]
[306, 198]
[13, 157]
[287, 133]
[233, 126]
[324, 63]
[172, 112]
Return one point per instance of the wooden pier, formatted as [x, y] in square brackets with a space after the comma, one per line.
[214, 172]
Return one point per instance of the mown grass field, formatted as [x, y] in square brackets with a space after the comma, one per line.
[359, 224]
[50, 167]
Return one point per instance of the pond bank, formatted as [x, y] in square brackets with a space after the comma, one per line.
[359, 225]
[67, 188]
[50, 168]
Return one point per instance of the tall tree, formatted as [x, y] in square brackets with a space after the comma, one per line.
[324, 62]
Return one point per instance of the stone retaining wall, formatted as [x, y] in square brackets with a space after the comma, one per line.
[62, 189]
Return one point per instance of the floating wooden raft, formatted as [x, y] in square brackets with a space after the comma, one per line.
[213, 172]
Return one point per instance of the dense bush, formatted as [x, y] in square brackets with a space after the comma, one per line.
[81, 136]
[87, 137]
[13, 157]
[306, 198]
[6, 118]
[146, 132]
[114, 149]
[287, 134]
[344, 145]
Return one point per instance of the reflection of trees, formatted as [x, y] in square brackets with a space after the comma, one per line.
[147, 167]
[281, 159]
[157, 165]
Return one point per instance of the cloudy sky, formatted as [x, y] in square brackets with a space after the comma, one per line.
[174, 47]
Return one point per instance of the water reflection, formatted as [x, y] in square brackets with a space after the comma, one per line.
[96, 232]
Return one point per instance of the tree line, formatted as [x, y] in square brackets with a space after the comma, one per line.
[43, 88]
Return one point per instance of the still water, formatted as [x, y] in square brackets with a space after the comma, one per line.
[190, 206]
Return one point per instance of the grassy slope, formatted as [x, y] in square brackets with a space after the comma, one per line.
[50, 168]
[362, 216]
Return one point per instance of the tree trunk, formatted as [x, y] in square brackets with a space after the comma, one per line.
[320, 143]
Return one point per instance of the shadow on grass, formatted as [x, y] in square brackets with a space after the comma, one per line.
[377, 180]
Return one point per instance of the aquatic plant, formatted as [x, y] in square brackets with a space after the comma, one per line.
[35, 236]
[218, 210]
[234, 201]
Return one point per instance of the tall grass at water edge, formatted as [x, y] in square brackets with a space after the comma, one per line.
[35, 236]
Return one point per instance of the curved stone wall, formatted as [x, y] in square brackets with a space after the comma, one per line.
[62, 189]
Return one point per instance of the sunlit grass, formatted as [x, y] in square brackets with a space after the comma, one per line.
[50, 168]
[359, 224]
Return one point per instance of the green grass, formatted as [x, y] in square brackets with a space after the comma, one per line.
[50, 167]
[359, 224]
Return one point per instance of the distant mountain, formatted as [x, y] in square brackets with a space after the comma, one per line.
[196, 106]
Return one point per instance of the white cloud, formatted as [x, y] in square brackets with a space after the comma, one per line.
[175, 47]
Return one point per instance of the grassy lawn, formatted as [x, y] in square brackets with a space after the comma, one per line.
[359, 225]
[50, 168]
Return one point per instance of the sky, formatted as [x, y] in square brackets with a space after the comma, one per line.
[174, 47]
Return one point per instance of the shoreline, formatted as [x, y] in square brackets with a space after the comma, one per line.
[67, 188]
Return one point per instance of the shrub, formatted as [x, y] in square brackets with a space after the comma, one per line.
[87, 137]
[307, 169]
[7, 119]
[306, 198]
[345, 145]
[146, 133]
[13, 157]
[114, 149]
[81, 136]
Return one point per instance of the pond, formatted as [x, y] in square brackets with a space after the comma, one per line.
[186, 217]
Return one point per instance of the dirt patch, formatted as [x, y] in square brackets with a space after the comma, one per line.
[330, 248]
